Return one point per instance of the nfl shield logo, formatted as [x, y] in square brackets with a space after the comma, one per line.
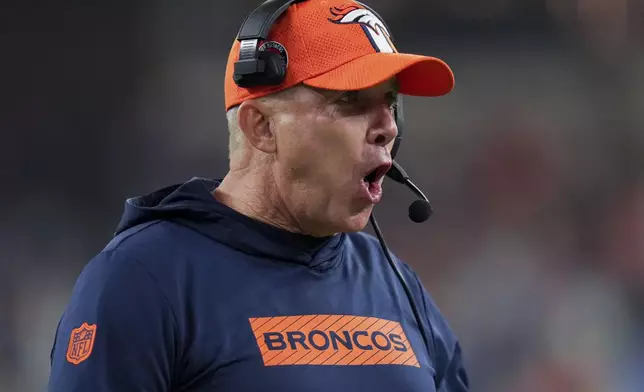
[81, 343]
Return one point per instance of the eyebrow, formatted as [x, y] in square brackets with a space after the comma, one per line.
[334, 94]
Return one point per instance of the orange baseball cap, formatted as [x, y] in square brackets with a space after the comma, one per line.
[340, 45]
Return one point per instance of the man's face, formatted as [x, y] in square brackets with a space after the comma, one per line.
[333, 150]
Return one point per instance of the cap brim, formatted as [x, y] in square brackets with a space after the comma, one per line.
[417, 75]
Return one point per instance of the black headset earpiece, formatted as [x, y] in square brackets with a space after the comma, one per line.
[254, 67]
[274, 68]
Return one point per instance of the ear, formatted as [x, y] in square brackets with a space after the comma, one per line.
[254, 122]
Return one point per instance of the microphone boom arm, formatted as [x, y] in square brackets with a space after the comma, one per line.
[420, 210]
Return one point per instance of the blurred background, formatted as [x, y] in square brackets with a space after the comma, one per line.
[534, 164]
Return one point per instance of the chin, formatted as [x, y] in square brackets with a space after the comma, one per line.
[357, 222]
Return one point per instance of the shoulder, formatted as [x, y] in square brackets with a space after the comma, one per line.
[114, 274]
[160, 246]
[144, 258]
[162, 235]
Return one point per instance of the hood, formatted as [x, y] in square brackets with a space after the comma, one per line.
[192, 204]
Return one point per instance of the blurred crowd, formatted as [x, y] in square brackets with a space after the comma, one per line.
[534, 165]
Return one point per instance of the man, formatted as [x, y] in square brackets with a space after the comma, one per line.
[263, 281]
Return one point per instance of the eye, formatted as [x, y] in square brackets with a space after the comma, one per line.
[351, 103]
[349, 97]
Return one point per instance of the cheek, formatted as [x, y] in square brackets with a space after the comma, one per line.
[299, 151]
[319, 164]
[339, 151]
[342, 140]
[321, 145]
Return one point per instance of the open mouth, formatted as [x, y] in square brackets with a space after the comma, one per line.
[372, 183]
[377, 174]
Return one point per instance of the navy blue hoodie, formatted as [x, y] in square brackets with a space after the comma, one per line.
[192, 296]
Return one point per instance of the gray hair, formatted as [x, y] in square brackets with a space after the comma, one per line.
[235, 135]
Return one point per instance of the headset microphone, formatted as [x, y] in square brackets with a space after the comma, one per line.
[420, 210]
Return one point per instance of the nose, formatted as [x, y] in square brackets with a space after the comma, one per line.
[384, 129]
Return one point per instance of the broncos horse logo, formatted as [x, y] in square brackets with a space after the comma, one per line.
[373, 27]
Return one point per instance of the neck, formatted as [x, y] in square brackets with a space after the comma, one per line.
[254, 194]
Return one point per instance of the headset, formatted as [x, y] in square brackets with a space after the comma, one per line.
[256, 68]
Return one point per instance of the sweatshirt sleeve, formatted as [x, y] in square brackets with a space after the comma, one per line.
[117, 333]
[451, 373]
